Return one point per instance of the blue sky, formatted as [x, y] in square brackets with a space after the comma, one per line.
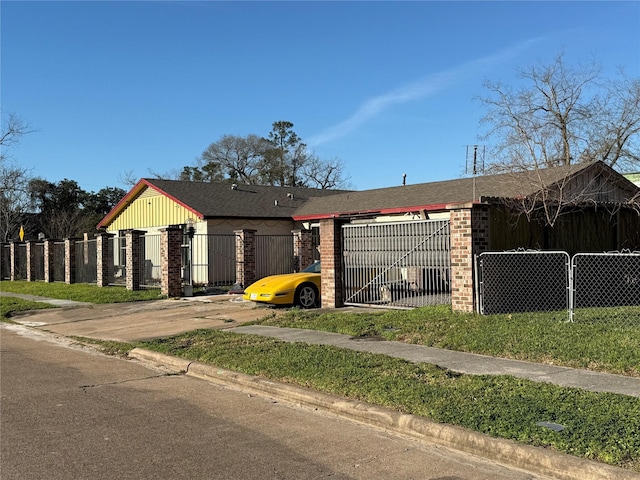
[122, 87]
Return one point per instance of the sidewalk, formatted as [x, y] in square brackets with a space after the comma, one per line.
[470, 363]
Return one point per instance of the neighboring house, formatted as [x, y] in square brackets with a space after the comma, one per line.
[469, 216]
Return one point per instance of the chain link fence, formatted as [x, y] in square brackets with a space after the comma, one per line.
[588, 287]
[606, 287]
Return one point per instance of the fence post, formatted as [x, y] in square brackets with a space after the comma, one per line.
[48, 260]
[104, 258]
[70, 260]
[134, 256]
[461, 260]
[245, 257]
[302, 249]
[14, 260]
[331, 258]
[31, 267]
[171, 261]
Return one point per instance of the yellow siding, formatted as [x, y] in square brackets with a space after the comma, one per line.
[150, 209]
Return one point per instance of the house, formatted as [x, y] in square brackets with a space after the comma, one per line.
[421, 239]
[210, 208]
[407, 246]
[210, 215]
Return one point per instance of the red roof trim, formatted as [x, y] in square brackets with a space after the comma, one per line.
[382, 211]
[132, 195]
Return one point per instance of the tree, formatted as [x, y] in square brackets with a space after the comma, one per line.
[284, 157]
[561, 116]
[65, 210]
[232, 158]
[14, 179]
[280, 159]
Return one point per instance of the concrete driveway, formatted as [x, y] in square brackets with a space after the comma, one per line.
[131, 322]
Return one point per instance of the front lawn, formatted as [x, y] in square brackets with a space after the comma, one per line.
[80, 292]
[537, 337]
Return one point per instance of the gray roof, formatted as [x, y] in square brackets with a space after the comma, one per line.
[437, 195]
[244, 201]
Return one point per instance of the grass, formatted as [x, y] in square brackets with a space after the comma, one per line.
[11, 305]
[80, 292]
[598, 426]
[540, 337]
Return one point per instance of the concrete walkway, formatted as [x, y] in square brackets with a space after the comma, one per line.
[457, 361]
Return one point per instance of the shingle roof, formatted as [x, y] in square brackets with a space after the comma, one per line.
[221, 200]
[244, 201]
[436, 195]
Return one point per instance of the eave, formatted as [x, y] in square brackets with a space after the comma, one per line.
[381, 211]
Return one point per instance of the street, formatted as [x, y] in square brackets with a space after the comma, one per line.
[71, 413]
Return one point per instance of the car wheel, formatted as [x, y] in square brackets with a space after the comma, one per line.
[307, 296]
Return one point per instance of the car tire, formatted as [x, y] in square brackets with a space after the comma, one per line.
[307, 296]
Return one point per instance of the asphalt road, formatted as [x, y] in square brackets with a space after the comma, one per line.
[70, 413]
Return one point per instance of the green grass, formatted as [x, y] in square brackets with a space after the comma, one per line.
[599, 426]
[11, 305]
[80, 292]
[536, 337]
[108, 347]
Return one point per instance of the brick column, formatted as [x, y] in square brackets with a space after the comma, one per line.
[48, 260]
[13, 250]
[461, 260]
[69, 260]
[171, 261]
[245, 257]
[31, 261]
[134, 257]
[331, 259]
[302, 249]
[104, 258]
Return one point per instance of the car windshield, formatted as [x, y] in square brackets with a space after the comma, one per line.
[313, 268]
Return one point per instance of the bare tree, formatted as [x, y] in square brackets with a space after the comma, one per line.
[14, 178]
[325, 174]
[234, 158]
[561, 116]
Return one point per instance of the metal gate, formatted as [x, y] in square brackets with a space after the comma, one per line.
[399, 264]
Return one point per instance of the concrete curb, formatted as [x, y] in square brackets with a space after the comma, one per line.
[535, 460]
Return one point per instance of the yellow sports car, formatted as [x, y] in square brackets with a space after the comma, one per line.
[302, 288]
